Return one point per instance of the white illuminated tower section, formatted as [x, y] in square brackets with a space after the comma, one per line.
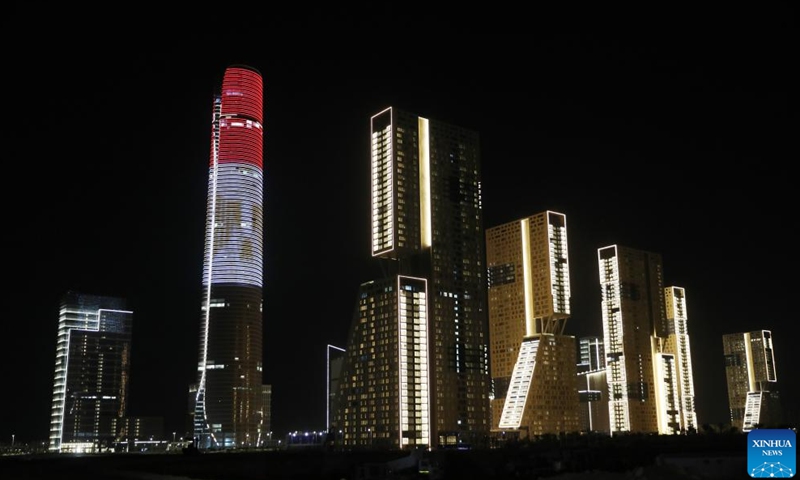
[677, 343]
[92, 374]
[335, 358]
[229, 406]
[613, 339]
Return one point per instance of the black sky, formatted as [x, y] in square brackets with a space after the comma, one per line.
[667, 131]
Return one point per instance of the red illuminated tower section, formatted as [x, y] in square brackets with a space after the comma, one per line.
[229, 410]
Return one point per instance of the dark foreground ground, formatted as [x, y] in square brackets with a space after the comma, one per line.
[654, 458]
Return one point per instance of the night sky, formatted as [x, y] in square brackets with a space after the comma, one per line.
[665, 131]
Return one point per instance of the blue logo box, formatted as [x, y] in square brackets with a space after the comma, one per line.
[771, 453]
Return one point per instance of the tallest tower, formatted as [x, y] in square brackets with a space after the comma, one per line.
[229, 408]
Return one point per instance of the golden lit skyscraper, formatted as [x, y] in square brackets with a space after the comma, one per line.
[632, 305]
[752, 379]
[415, 371]
[533, 363]
[677, 343]
[648, 359]
[229, 407]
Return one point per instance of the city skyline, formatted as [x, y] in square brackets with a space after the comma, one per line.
[669, 145]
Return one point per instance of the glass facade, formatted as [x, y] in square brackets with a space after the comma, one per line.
[92, 372]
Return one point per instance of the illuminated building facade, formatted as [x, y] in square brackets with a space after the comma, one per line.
[648, 358]
[677, 343]
[752, 379]
[632, 304]
[592, 354]
[92, 372]
[335, 360]
[229, 410]
[416, 363]
[532, 361]
[592, 386]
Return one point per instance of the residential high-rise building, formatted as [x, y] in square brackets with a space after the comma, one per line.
[646, 341]
[532, 361]
[632, 305]
[415, 371]
[92, 372]
[229, 410]
[677, 343]
[752, 379]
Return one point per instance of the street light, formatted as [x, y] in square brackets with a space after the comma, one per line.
[173, 437]
[12, 440]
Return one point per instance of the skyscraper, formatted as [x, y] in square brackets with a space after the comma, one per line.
[533, 363]
[415, 371]
[648, 359]
[92, 371]
[229, 410]
[752, 379]
[677, 343]
[632, 306]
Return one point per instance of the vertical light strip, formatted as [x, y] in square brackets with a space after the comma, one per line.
[425, 183]
[402, 378]
[748, 351]
[769, 362]
[426, 375]
[658, 381]
[61, 376]
[597, 354]
[328, 387]
[530, 328]
[212, 220]
[588, 388]
[412, 331]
